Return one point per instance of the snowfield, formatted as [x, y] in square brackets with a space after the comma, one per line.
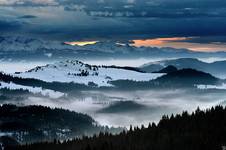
[220, 87]
[35, 90]
[78, 72]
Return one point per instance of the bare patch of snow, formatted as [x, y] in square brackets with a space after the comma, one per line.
[220, 87]
[35, 90]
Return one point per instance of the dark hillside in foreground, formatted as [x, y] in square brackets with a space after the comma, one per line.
[37, 123]
[201, 130]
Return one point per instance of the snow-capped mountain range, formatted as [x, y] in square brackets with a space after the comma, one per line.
[79, 72]
[29, 44]
[32, 45]
[23, 48]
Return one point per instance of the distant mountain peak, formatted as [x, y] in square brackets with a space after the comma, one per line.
[215, 68]
[167, 69]
[188, 76]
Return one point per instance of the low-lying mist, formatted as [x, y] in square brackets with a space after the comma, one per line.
[125, 108]
[122, 107]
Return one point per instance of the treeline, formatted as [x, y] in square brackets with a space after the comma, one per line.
[201, 130]
[124, 67]
[56, 86]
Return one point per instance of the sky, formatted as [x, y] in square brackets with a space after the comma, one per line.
[174, 21]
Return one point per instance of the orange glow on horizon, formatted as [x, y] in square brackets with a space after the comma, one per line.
[174, 42]
[180, 42]
[157, 41]
[81, 43]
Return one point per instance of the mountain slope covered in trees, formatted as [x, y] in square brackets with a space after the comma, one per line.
[196, 131]
[184, 78]
[37, 123]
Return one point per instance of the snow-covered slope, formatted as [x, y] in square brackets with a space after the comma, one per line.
[34, 90]
[219, 87]
[78, 72]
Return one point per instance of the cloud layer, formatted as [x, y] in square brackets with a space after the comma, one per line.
[134, 8]
[122, 19]
[27, 2]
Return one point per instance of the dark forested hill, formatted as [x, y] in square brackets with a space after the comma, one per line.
[188, 77]
[167, 69]
[184, 78]
[201, 130]
[37, 123]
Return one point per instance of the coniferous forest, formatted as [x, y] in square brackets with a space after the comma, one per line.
[200, 130]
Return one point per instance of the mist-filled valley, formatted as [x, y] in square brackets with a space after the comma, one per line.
[120, 104]
[125, 108]
[66, 99]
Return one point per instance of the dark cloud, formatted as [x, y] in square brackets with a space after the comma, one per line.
[28, 3]
[27, 17]
[135, 8]
[149, 8]
[6, 26]
[144, 28]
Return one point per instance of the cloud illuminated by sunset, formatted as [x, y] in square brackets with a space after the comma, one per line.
[180, 42]
[157, 41]
[81, 43]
